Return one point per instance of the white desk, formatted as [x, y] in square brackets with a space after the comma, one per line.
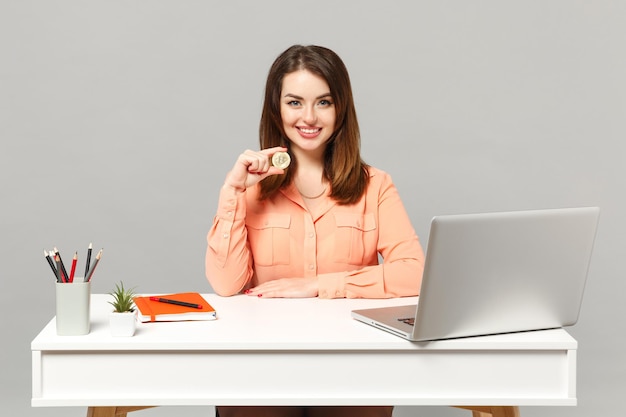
[295, 352]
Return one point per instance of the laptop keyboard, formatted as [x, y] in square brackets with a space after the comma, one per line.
[409, 320]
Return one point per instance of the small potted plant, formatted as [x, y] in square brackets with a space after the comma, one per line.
[123, 319]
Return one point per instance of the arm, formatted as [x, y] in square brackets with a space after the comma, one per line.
[228, 262]
[400, 274]
[228, 259]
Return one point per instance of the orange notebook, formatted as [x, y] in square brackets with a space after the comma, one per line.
[169, 308]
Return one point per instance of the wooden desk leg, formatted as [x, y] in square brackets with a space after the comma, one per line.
[501, 411]
[112, 411]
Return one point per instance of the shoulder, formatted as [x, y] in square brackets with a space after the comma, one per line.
[380, 184]
[378, 177]
[376, 172]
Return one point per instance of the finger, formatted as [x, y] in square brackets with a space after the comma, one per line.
[274, 171]
[262, 165]
[253, 292]
[265, 288]
[271, 171]
[272, 151]
[256, 163]
[261, 162]
[248, 159]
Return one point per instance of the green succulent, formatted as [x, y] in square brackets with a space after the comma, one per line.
[122, 299]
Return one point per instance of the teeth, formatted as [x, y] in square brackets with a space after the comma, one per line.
[309, 130]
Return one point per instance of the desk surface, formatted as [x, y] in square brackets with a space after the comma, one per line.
[296, 351]
[260, 324]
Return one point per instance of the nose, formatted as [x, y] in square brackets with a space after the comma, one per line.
[310, 116]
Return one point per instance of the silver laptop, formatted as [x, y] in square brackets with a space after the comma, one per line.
[496, 273]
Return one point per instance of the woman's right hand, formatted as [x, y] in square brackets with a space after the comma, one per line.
[252, 167]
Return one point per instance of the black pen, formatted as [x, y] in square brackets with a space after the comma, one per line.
[178, 303]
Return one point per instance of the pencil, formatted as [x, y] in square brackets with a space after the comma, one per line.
[93, 267]
[58, 261]
[51, 263]
[66, 277]
[74, 260]
[88, 259]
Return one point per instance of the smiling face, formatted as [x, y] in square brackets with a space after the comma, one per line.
[307, 111]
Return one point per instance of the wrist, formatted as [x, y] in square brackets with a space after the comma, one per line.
[234, 188]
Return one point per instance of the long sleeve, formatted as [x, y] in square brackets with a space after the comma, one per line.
[400, 274]
[252, 242]
[228, 258]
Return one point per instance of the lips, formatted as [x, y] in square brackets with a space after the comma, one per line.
[308, 132]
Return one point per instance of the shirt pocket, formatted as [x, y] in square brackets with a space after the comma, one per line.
[350, 236]
[268, 235]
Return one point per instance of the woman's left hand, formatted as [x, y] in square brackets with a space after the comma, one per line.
[286, 288]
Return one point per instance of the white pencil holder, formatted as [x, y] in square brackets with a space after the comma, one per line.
[72, 307]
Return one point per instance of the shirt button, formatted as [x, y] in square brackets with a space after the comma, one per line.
[230, 214]
[225, 235]
[311, 266]
[311, 235]
[338, 293]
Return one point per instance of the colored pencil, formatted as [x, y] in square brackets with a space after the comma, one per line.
[66, 277]
[87, 265]
[57, 259]
[93, 267]
[73, 270]
[51, 263]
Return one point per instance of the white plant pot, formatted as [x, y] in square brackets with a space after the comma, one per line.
[123, 324]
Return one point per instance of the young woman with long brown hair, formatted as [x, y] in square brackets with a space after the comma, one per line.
[317, 227]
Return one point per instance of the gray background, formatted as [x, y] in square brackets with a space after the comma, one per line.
[119, 120]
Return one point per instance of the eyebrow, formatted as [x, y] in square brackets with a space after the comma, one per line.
[302, 98]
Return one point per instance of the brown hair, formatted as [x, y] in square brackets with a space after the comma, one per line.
[343, 166]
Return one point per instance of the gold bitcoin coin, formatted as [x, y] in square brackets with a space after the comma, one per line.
[281, 160]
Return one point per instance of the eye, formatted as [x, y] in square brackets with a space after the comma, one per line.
[293, 103]
[325, 103]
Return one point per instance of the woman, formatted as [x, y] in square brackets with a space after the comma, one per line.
[317, 227]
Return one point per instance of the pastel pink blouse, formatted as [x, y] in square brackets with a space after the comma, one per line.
[254, 241]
